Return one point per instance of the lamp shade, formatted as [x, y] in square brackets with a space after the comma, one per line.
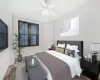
[95, 47]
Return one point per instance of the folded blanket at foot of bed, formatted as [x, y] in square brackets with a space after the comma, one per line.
[59, 70]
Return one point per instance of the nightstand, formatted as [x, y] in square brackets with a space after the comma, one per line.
[90, 69]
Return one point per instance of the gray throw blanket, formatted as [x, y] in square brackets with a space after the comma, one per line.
[59, 69]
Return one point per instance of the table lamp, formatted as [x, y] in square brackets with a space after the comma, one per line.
[95, 48]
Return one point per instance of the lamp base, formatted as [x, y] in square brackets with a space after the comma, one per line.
[94, 58]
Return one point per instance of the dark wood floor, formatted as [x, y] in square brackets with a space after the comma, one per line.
[11, 73]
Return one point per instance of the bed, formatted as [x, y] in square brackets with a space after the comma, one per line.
[59, 66]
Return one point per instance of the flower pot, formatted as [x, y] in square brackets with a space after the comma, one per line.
[19, 57]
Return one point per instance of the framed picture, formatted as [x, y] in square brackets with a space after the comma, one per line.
[70, 27]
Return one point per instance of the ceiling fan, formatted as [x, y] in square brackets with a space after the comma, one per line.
[46, 9]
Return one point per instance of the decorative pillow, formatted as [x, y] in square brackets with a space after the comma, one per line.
[75, 48]
[53, 47]
[71, 53]
[66, 52]
[61, 50]
[57, 49]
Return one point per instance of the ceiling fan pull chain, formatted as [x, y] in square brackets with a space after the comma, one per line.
[46, 1]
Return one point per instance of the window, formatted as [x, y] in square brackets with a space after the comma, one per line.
[28, 34]
[3, 35]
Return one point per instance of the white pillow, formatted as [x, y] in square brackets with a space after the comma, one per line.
[61, 45]
[76, 55]
[69, 47]
[73, 47]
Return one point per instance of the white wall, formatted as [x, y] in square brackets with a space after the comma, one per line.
[48, 35]
[89, 24]
[6, 56]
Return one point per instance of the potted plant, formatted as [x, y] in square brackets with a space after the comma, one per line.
[18, 47]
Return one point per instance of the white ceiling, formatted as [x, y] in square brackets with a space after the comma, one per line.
[25, 8]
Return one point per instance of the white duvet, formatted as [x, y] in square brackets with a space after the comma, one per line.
[72, 62]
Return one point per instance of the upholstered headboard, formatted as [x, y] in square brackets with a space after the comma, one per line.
[78, 43]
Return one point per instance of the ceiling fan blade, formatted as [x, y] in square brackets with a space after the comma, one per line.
[52, 6]
[52, 13]
[44, 4]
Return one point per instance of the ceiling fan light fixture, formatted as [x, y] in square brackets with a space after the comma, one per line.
[46, 12]
[46, 9]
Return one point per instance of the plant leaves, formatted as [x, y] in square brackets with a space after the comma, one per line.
[17, 45]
